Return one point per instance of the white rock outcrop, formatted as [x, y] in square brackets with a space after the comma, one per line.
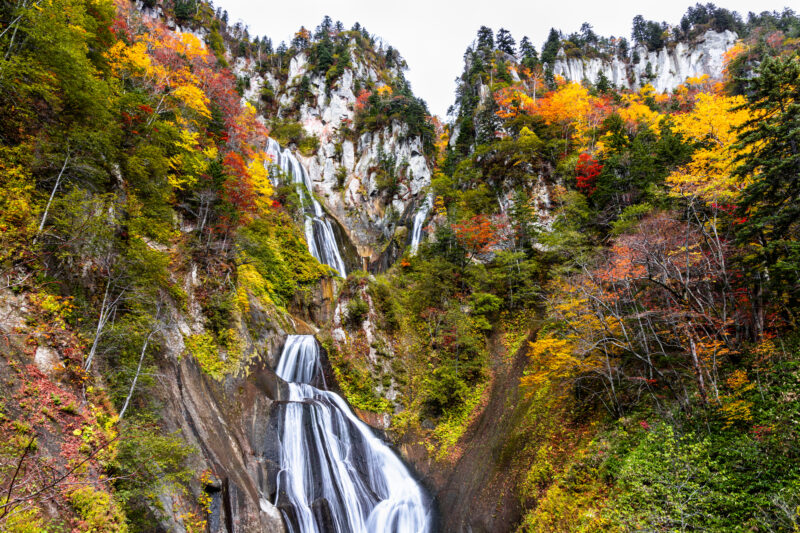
[355, 202]
[670, 67]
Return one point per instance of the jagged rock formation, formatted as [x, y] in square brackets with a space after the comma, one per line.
[669, 67]
[343, 170]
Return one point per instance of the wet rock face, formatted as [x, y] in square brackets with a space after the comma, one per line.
[669, 67]
[221, 421]
[226, 422]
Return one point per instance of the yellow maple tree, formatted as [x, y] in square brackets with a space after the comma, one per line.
[712, 125]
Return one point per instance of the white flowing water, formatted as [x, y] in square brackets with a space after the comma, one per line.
[419, 221]
[336, 475]
[318, 228]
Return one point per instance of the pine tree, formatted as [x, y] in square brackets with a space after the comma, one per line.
[325, 28]
[603, 84]
[485, 39]
[301, 39]
[529, 55]
[551, 46]
[770, 146]
[505, 42]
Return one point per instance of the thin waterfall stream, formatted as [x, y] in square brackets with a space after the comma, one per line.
[335, 474]
[318, 227]
[419, 221]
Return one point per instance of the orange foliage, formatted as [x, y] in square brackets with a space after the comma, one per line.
[477, 235]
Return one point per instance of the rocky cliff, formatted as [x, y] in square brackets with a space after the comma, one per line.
[664, 69]
[344, 169]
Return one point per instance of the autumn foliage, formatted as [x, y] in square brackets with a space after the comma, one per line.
[478, 235]
[586, 172]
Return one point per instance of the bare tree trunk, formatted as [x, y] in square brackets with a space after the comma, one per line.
[53, 193]
[138, 371]
[701, 384]
[106, 309]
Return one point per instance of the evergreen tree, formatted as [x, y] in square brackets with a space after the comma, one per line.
[638, 29]
[551, 46]
[527, 49]
[323, 54]
[301, 39]
[770, 162]
[623, 48]
[588, 36]
[390, 60]
[485, 39]
[648, 33]
[603, 84]
[325, 28]
[505, 42]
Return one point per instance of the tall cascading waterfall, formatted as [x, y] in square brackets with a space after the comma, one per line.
[318, 227]
[335, 474]
[419, 220]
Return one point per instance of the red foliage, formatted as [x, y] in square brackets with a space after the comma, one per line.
[587, 171]
[238, 187]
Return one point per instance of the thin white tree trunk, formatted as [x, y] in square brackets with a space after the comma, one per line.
[138, 371]
[53, 193]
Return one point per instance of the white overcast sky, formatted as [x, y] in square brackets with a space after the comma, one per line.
[432, 35]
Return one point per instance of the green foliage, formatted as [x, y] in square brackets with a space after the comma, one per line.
[218, 357]
[184, 10]
[357, 310]
[280, 257]
[635, 165]
[25, 521]
[288, 132]
[97, 509]
[770, 163]
[160, 463]
[629, 217]
[401, 106]
[356, 382]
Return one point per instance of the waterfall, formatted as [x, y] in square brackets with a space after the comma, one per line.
[335, 474]
[318, 227]
[419, 220]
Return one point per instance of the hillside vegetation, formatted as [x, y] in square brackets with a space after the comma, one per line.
[598, 333]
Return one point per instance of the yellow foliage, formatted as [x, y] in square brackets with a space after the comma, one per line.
[569, 348]
[712, 124]
[733, 407]
[384, 91]
[189, 162]
[260, 178]
[193, 98]
[18, 217]
[251, 282]
[191, 46]
[636, 111]
[98, 510]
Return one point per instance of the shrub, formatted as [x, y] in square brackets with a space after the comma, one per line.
[357, 310]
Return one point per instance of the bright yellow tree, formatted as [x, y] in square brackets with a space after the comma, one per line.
[711, 125]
